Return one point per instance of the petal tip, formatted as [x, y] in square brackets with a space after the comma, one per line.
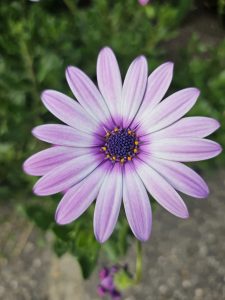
[169, 64]
[106, 49]
[34, 131]
[185, 215]
[101, 239]
[143, 238]
[25, 167]
[45, 94]
[217, 124]
[59, 218]
[219, 150]
[196, 92]
[69, 70]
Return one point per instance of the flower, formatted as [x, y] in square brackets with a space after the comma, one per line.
[107, 282]
[143, 2]
[119, 142]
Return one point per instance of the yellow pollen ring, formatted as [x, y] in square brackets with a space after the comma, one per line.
[104, 148]
[135, 150]
[129, 158]
[114, 157]
[107, 134]
[122, 160]
[116, 129]
[136, 143]
[129, 131]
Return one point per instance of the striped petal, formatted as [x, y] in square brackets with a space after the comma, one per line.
[197, 127]
[158, 83]
[108, 204]
[67, 174]
[161, 190]
[87, 94]
[109, 80]
[68, 111]
[133, 89]
[183, 149]
[80, 197]
[48, 159]
[169, 110]
[181, 177]
[136, 204]
[65, 136]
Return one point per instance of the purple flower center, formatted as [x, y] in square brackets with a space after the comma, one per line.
[121, 145]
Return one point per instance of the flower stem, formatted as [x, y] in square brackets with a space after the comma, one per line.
[71, 6]
[139, 261]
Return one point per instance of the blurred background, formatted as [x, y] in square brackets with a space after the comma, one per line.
[38, 40]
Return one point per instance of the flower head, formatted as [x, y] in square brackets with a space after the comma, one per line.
[119, 142]
[107, 282]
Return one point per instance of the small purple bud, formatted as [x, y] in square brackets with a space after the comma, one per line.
[108, 283]
[103, 273]
[101, 291]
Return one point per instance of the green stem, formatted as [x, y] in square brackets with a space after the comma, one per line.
[71, 6]
[28, 63]
[139, 262]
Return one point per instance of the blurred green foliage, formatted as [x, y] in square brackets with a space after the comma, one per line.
[37, 42]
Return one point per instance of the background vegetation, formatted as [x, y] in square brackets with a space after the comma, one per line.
[39, 39]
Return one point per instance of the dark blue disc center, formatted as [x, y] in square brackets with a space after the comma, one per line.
[121, 144]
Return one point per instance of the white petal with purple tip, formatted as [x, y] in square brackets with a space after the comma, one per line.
[136, 203]
[48, 159]
[181, 177]
[65, 136]
[161, 190]
[68, 111]
[78, 198]
[108, 204]
[87, 94]
[133, 89]
[169, 110]
[183, 149]
[197, 127]
[67, 175]
[158, 83]
[109, 80]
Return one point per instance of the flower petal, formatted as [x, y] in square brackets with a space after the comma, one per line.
[48, 159]
[197, 127]
[87, 94]
[109, 80]
[108, 204]
[78, 198]
[158, 83]
[133, 89]
[136, 203]
[68, 111]
[67, 174]
[181, 177]
[169, 110]
[65, 136]
[161, 190]
[183, 149]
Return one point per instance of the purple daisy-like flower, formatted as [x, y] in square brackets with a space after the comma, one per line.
[121, 141]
